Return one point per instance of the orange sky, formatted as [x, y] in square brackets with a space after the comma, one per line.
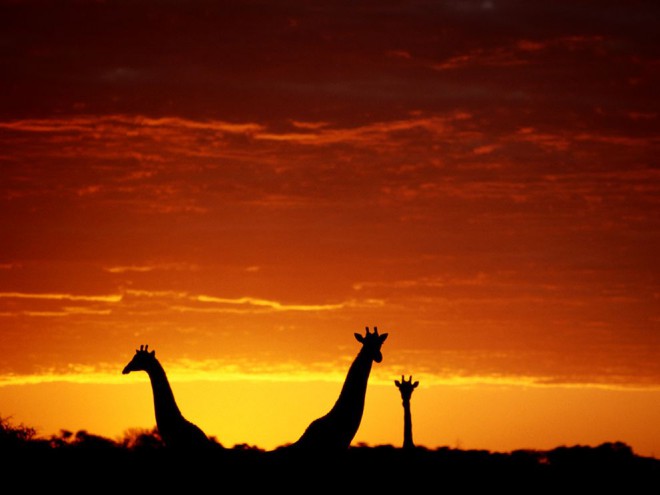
[244, 185]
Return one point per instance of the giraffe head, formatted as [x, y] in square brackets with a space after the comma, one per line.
[142, 360]
[406, 387]
[371, 343]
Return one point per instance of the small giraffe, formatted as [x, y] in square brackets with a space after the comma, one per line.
[176, 431]
[406, 388]
[335, 430]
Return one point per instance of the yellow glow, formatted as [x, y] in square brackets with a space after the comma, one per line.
[271, 411]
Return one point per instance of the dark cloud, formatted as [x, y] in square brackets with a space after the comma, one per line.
[243, 60]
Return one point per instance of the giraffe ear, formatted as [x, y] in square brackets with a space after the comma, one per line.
[359, 337]
[383, 337]
[397, 383]
[415, 384]
[153, 353]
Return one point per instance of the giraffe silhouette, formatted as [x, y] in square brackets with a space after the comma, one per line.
[175, 430]
[335, 431]
[406, 388]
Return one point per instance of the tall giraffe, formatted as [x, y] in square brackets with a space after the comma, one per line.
[406, 388]
[175, 430]
[335, 430]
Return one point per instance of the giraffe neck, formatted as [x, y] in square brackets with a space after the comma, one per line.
[164, 404]
[351, 398]
[407, 425]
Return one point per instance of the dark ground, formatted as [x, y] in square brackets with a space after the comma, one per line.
[608, 467]
[82, 463]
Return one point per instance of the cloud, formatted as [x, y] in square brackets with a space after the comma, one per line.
[183, 135]
[519, 52]
[256, 303]
[375, 134]
[142, 301]
[65, 312]
[57, 305]
[113, 298]
[151, 268]
[109, 124]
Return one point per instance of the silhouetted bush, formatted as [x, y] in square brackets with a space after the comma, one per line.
[13, 436]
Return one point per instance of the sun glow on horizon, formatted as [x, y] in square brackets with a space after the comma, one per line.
[189, 371]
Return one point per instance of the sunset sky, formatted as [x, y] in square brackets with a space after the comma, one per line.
[243, 185]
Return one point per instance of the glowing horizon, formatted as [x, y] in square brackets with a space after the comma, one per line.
[186, 370]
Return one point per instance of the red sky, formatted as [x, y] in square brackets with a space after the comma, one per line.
[244, 185]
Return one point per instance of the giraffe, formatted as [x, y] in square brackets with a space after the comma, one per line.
[175, 430]
[335, 431]
[406, 388]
